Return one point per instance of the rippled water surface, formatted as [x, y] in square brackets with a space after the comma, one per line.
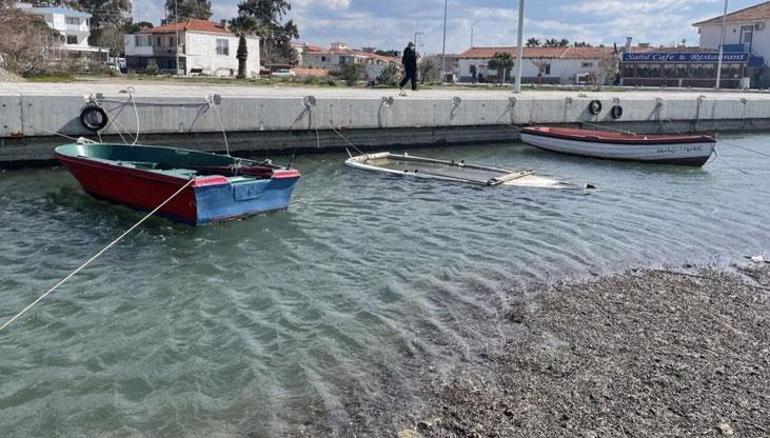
[257, 326]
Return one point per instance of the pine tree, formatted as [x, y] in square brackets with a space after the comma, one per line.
[275, 36]
[116, 12]
[179, 10]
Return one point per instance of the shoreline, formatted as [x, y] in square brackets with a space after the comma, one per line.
[647, 352]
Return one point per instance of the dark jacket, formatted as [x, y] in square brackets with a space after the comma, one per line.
[409, 59]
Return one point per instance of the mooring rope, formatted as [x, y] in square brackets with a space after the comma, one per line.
[345, 138]
[78, 140]
[221, 125]
[88, 262]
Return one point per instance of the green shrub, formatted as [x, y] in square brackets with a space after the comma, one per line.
[389, 76]
[352, 73]
[152, 68]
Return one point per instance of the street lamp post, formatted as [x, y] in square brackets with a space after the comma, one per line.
[721, 48]
[520, 47]
[443, 46]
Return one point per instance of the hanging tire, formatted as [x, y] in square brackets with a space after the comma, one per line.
[93, 118]
[595, 107]
[616, 112]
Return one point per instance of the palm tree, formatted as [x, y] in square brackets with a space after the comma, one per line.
[533, 42]
[242, 25]
[552, 42]
[502, 62]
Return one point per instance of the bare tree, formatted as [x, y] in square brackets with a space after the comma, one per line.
[25, 39]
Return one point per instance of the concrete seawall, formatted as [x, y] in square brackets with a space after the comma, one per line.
[287, 118]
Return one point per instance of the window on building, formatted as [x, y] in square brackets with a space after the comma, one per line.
[142, 41]
[732, 71]
[223, 47]
[747, 34]
[643, 71]
[171, 41]
[698, 71]
[158, 42]
[682, 71]
[587, 65]
[72, 39]
[655, 70]
[73, 21]
[669, 70]
[545, 69]
[323, 59]
[628, 71]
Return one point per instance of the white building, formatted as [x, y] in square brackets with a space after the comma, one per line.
[748, 31]
[338, 55]
[560, 65]
[205, 48]
[74, 26]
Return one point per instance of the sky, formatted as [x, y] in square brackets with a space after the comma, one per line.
[390, 24]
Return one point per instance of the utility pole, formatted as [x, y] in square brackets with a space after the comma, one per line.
[520, 47]
[443, 46]
[471, 37]
[176, 42]
[721, 48]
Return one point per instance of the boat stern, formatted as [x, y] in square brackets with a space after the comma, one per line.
[220, 198]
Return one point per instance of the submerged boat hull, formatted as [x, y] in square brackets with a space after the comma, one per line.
[209, 198]
[677, 150]
[455, 171]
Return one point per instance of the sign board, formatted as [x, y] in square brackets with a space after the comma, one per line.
[689, 58]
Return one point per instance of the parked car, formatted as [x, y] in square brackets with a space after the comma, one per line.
[283, 73]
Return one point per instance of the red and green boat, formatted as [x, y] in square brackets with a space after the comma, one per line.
[143, 177]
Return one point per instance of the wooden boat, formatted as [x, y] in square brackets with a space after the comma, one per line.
[457, 171]
[142, 177]
[686, 150]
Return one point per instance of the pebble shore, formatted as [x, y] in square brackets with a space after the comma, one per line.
[650, 352]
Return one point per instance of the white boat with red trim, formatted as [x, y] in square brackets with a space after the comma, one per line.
[686, 150]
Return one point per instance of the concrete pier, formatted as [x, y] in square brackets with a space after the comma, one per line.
[271, 119]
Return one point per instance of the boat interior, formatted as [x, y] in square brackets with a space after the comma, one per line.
[445, 169]
[179, 162]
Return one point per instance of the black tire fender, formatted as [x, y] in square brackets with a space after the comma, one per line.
[616, 112]
[595, 107]
[93, 118]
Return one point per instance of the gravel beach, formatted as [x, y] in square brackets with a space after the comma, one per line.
[651, 352]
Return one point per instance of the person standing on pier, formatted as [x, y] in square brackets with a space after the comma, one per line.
[409, 60]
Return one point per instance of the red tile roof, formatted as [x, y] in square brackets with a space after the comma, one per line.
[758, 12]
[192, 25]
[351, 52]
[540, 52]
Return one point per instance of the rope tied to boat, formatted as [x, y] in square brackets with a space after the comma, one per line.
[97, 255]
[345, 138]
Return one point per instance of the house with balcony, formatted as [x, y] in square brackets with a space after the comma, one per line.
[747, 36]
[74, 27]
[190, 47]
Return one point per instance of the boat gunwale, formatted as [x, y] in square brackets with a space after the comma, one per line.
[506, 175]
[638, 139]
[278, 172]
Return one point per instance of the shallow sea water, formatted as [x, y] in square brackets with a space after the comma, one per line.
[260, 325]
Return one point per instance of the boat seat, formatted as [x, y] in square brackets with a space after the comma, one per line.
[142, 164]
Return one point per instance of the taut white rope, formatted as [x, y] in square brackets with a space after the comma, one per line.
[88, 262]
